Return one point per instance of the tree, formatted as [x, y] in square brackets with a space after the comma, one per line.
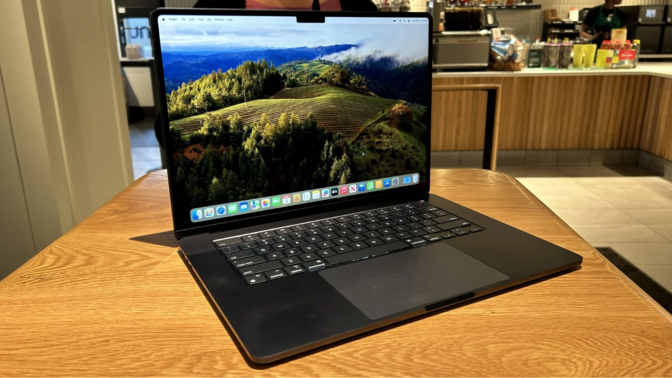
[402, 117]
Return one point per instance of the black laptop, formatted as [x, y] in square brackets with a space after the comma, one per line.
[298, 149]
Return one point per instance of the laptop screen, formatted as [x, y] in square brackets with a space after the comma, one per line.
[266, 112]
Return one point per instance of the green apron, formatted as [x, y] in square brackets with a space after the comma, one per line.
[602, 21]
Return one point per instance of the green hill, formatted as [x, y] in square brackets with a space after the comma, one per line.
[336, 109]
[302, 72]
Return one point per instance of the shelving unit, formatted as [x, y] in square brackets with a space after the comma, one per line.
[561, 30]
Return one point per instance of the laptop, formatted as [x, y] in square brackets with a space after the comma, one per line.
[298, 152]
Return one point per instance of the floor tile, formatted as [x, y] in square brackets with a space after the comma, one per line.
[582, 201]
[552, 186]
[582, 217]
[665, 230]
[605, 235]
[603, 171]
[659, 273]
[651, 216]
[645, 253]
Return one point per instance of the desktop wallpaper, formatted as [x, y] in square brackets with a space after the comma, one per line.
[269, 109]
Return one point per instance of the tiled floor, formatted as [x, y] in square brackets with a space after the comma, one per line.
[624, 207]
[144, 147]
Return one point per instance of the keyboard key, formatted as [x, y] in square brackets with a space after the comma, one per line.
[374, 242]
[342, 249]
[358, 245]
[356, 237]
[283, 238]
[248, 261]
[292, 252]
[415, 218]
[383, 211]
[446, 218]
[275, 256]
[313, 231]
[432, 229]
[341, 241]
[403, 235]
[299, 227]
[387, 231]
[276, 274]
[315, 265]
[385, 217]
[395, 209]
[254, 269]
[229, 241]
[374, 226]
[240, 255]
[328, 222]
[417, 232]
[343, 219]
[388, 224]
[427, 209]
[283, 230]
[388, 238]
[251, 237]
[453, 224]
[440, 213]
[416, 242]
[311, 247]
[248, 245]
[414, 225]
[358, 223]
[330, 228]
[266, 241]
[313, 239]
[356, 255]
[356, 216]
[428, 215]
[474, 229]
[343, 226]
[326, 253]
[400, 228]
[299, 235]
[263, 250]
[294, 269]
[459, 231]
[314, 224]
[411, 212]
[370, 220]
[432, 238]
[370, 214]
[371, 234]
[325, 244]
[427, 222]
[289, 261]
[407, 206]
[420, 203]
[402, 220]
[447, 235]
[359, 229]
[255, 279]
[345, 232]
[309, 256]
[297, 242]
[329, 235]
[281, 246]
[229, 248]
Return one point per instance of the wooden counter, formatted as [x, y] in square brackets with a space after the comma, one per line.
[556, 110]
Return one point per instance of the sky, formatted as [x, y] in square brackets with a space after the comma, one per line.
[403, 41]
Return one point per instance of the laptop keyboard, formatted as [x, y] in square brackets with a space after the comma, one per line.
[300, 248]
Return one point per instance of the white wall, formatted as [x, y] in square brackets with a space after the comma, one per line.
[140, 90]
[65, 110]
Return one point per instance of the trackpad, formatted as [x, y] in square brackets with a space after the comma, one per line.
[387, 285]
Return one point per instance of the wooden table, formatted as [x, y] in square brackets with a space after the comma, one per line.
[112, 297]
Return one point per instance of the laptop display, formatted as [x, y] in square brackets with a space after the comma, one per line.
[269, 112]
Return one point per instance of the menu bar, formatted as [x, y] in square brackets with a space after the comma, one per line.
[256, 20]
[203, 214]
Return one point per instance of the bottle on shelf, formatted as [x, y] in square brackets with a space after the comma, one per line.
[606, 45]
[616, 56]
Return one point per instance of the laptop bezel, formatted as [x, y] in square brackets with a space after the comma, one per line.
[225, 224]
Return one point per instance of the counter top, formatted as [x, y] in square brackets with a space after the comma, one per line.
[643, 68]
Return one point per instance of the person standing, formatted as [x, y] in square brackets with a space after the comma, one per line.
[599, 21]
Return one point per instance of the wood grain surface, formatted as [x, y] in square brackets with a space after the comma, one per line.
[113, 298]
[657, 132]
[544, 113]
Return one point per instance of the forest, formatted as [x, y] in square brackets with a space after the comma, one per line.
[249, 81]
[229, 161]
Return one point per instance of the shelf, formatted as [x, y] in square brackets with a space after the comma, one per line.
[655, 56]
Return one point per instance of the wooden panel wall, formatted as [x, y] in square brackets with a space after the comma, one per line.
[657, 131]
[544, 113]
